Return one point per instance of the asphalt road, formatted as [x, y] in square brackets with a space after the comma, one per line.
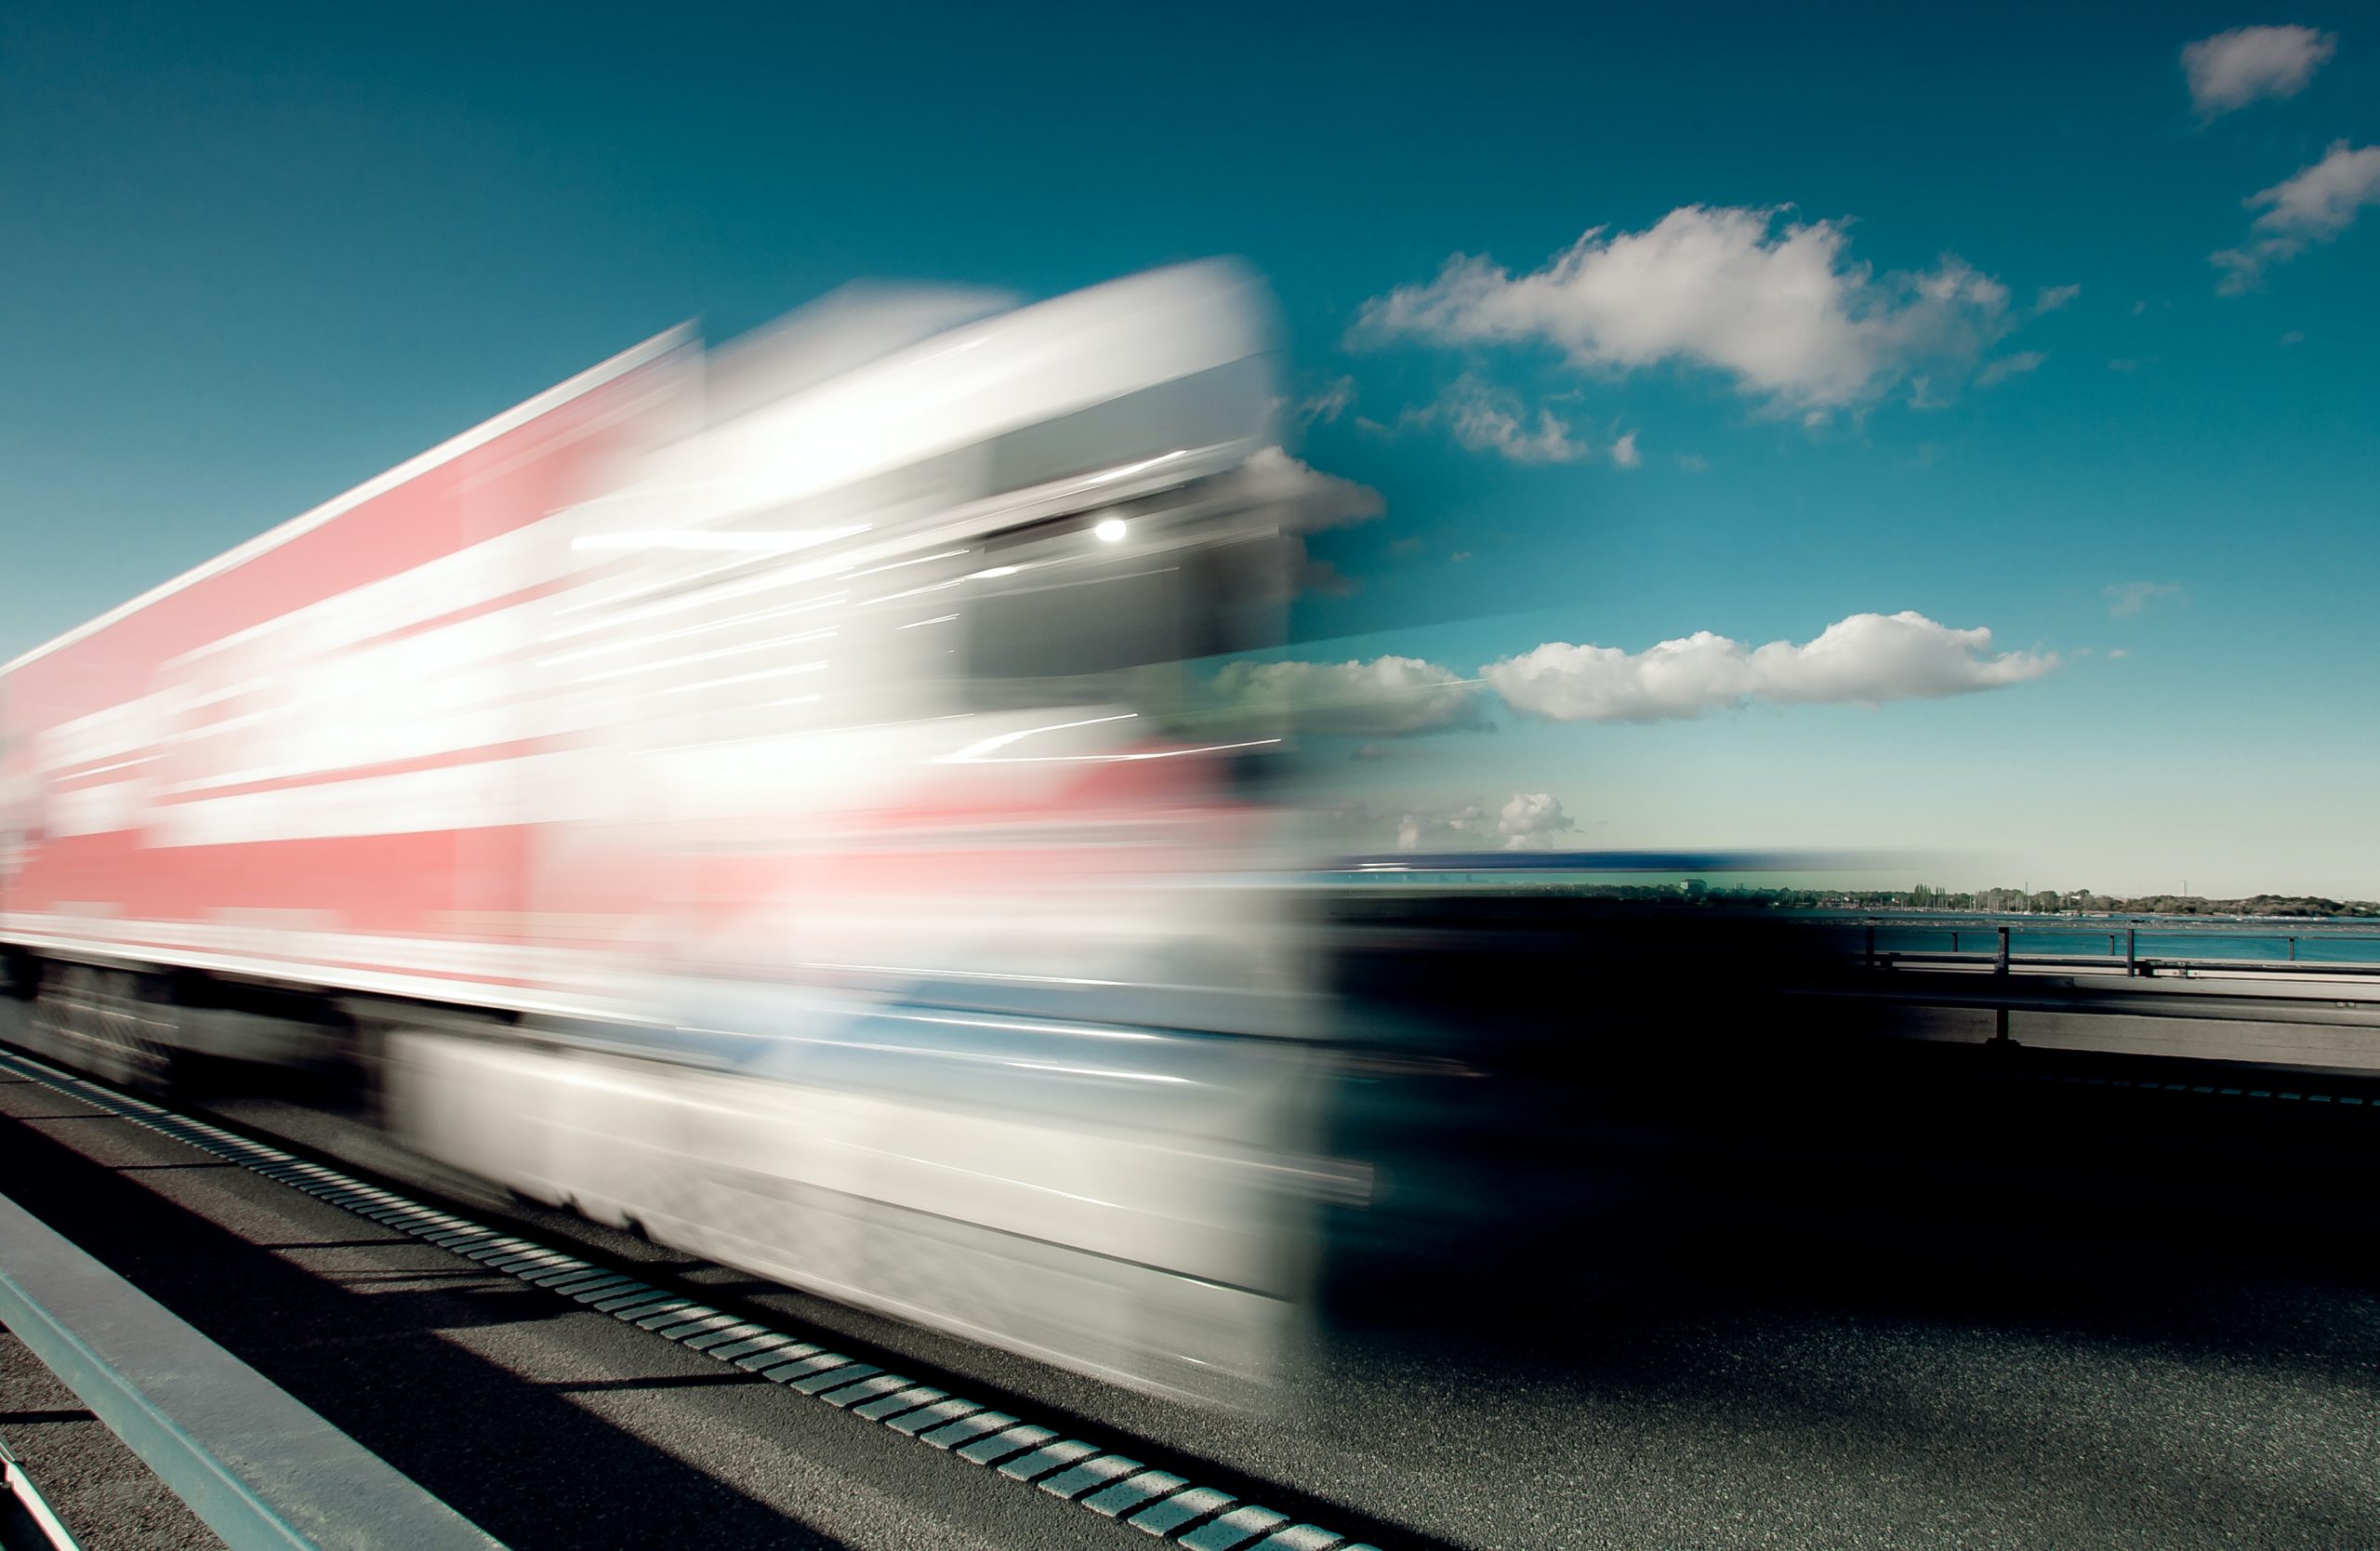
[1948, 1306]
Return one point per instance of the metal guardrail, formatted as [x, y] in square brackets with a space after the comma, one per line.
[2048, 993]
[2002, 982]
[2137, 965]
[2002, 957]
[257, 1467]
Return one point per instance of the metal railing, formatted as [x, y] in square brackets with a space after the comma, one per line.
[256, 1467]
[2123, 947]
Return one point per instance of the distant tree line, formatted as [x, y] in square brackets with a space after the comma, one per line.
[2088, 902]
[1995, 901]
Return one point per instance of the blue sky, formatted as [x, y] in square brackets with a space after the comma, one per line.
[257, 254]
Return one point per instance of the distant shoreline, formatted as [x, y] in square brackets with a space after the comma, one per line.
[2163, 917]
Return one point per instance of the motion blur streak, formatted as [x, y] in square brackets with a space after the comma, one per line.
[562, 791]
[485, 781]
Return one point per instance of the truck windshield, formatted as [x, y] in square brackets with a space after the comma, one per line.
[1116, 624]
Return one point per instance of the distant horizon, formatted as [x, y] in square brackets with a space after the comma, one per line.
[1759, 872]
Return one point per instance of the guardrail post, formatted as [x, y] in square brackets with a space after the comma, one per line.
[2000, 966]
[2292, 950]
[1954, 941]
[2131, 951]
[25, 1514]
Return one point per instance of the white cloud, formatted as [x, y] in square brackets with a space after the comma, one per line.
[1530, 820]
[1389, 696]
[1309, 499]
[2232, 70]
[1484, 418]
[2314, 206]
[1527, 821]
[1866, 658]
[2049, 298]
[1780, 310]
[1485, 421]
[2126, 599]
[1328, 404]
[2011, 365]
[1434, 825]
[1624, 452]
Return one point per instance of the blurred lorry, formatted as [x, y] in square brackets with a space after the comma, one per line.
[757, 796]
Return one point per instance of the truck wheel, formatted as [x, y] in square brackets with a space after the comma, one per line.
[19, 974]
[102, 1022]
